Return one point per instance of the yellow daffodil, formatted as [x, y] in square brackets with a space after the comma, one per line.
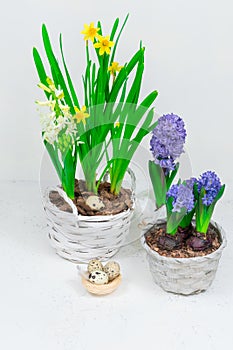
[90, 32]
[114, 68]
[104, 44]
[81, 115]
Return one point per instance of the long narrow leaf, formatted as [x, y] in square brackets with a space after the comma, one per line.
[114, 29]
[158, 183]
[123, 75]
[53, 63]
[143, 131]
[117, 40]
[71, 86]
[40, 69]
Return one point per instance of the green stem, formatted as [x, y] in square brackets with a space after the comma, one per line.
[53, 153]
[118, 171]
[89, 76]
[103, 173]
[90, 177]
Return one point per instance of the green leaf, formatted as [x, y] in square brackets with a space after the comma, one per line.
[195, 191]
[186, 221]
[135, 118]
[118, 37]
[174, 219]
[93, 78]
[68, 174]
[114, 29]
[143, 131]
[54, 65]
[40, 69]
[147, 102]
[53, 153]
[158, 182]
[220, 193]
[169, 205]
[71, 86]
[133, 94]
[99, 26]
[201, 213]
[170, 178]
[123, 75]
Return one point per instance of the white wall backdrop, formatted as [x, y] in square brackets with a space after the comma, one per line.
[189, 60]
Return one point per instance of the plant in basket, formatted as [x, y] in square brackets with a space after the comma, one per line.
[185, 246]
[90, 217]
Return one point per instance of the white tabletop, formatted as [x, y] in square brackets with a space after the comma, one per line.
[44, 306]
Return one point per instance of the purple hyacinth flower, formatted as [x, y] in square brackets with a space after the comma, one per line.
[167, 142]
[190, 182]
[183, 197]
[211, 184]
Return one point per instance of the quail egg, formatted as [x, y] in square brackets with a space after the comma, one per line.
[112, 269]
[94, 203]
[98, 277]
[93, 265]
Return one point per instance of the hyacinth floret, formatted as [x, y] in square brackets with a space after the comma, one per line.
[167, 142]
[190, 182]
[183, 197]
[211, 184]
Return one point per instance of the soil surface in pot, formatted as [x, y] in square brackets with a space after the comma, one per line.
[111, 204]
[185, 243]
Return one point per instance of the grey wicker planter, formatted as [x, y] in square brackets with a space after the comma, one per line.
[184, 275]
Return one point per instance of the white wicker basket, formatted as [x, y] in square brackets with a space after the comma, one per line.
[184, 275]
[80, 238]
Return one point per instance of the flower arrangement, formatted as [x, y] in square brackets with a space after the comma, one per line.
[184, 247]
[110, 115]
[184, 200]
[193, 197]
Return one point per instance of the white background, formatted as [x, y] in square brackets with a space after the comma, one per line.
[189, 60]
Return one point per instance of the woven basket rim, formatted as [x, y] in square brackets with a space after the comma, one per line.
[96, 218]
[191, 259]
[106, 217]
[88, 218]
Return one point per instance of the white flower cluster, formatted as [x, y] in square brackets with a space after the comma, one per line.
[52, 124]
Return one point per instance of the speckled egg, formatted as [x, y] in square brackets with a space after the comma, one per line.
[112, 269]
[94, 203]
[98, 277]
[93, 265]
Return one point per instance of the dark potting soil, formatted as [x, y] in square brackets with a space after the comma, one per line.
[112, 204]
[185, 243]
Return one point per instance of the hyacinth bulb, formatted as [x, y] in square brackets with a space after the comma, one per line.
[198, 243]
[169, 242]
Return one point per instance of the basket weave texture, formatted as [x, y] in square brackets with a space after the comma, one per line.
[80, 238]
[184, 275]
